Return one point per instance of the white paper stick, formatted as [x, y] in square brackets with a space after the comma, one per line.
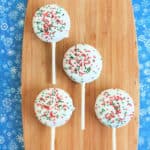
[53, 138]
[114, 147]
[53, 63]
[83, 106]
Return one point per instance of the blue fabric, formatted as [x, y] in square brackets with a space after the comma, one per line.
[142, 19]
[11, 30]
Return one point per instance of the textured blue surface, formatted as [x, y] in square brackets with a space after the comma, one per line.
[142, 15]
[11, 30]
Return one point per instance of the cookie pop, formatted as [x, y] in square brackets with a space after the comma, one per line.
[83, 64]
[53, 108]
[51, 23]
[114, 108]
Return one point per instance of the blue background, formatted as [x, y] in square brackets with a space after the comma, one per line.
[11, 30]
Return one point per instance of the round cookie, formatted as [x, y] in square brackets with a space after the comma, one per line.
[82, 63]
[114, 108]
[53, 107]
[51, 23]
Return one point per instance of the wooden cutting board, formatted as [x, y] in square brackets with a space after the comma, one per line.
[108, 25]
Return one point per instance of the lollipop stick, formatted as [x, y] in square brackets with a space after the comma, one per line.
[53, 63]
[83, 106]
[53, 138]
[114, 139]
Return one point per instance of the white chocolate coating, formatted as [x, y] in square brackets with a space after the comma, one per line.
[82, 63]
[114, 108]
[51, 23]
[53, 107]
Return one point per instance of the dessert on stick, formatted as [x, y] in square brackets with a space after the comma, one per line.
[51, 23]
[83, 64]
[53, 108]
[114, 108]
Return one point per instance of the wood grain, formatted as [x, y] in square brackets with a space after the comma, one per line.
[108, 25]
